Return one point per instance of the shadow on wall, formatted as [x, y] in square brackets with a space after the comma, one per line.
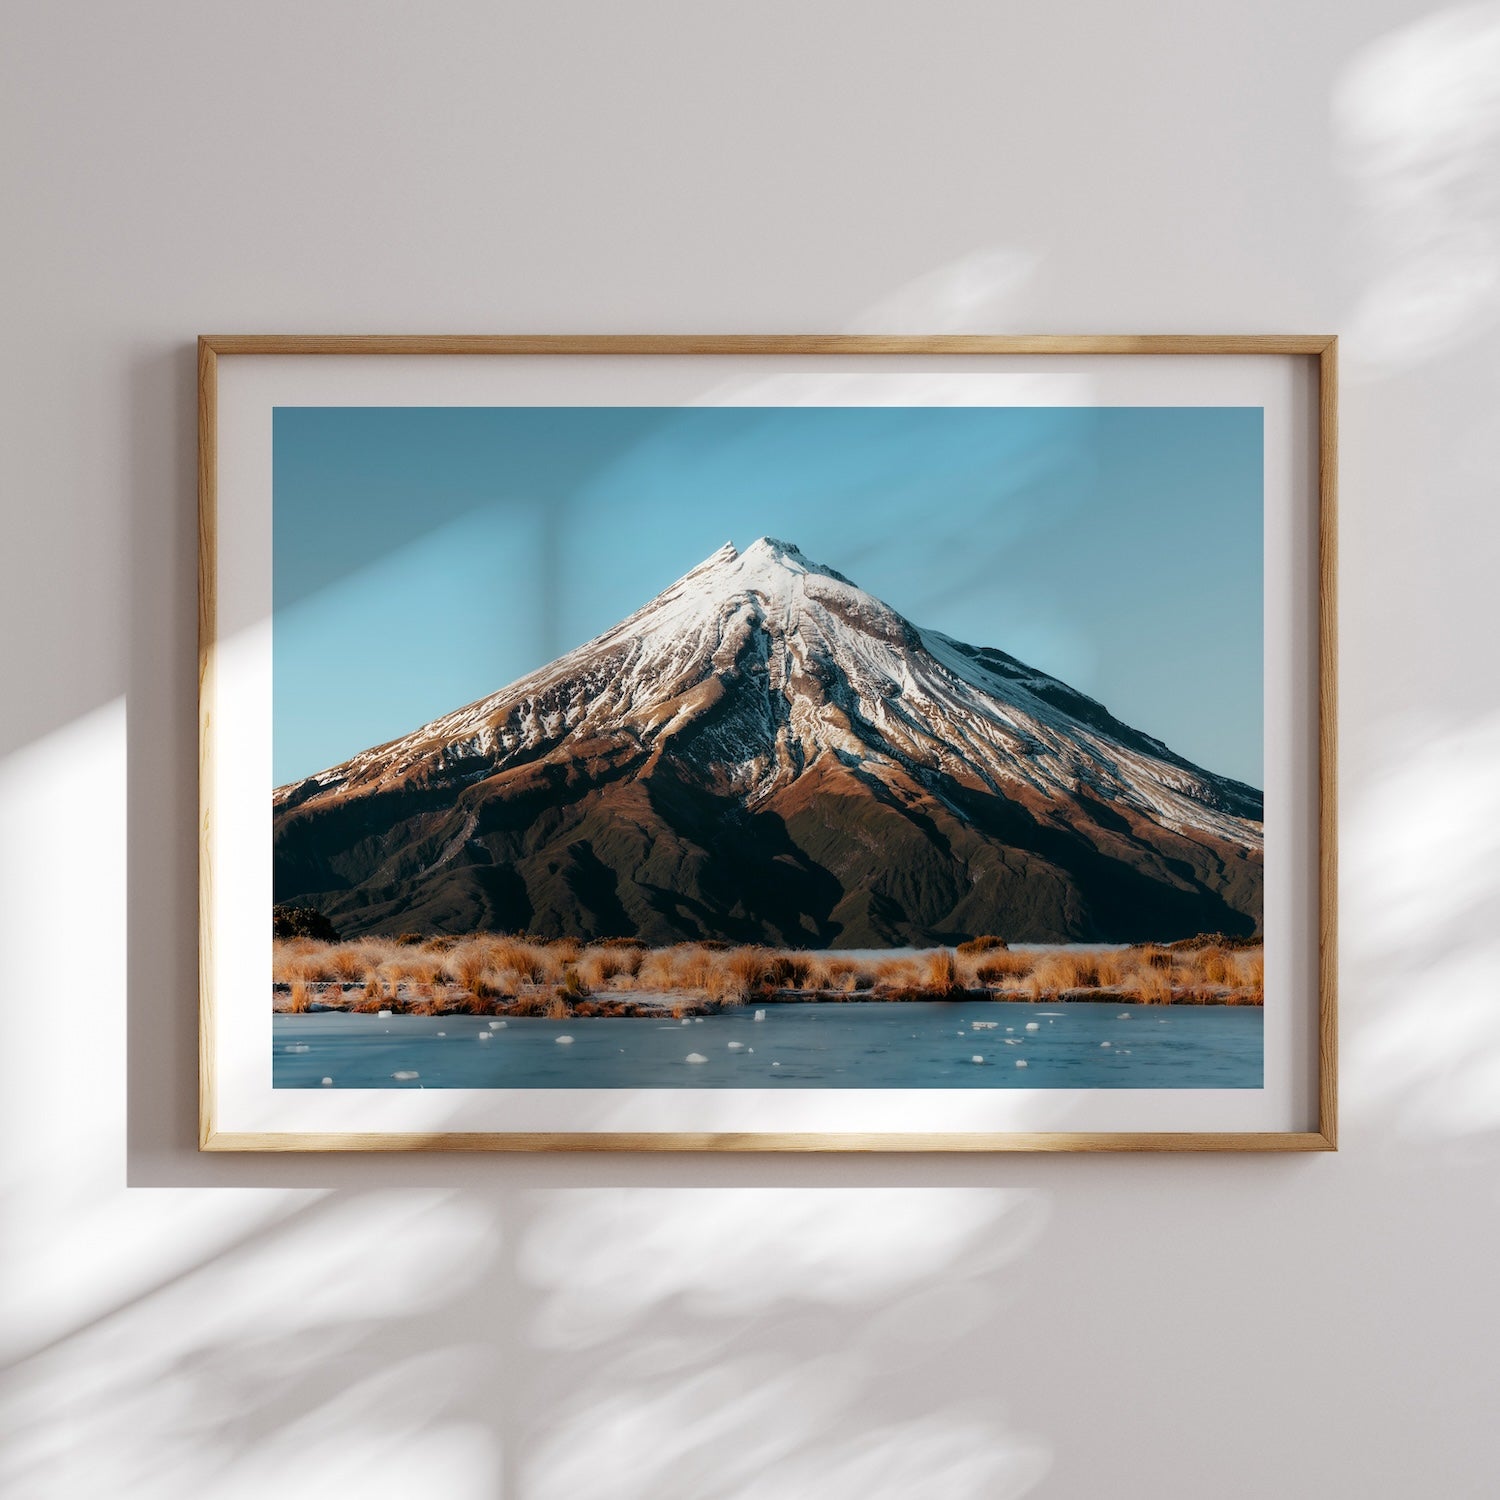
[1423, 841]
[1416, 119]
[616, 1343]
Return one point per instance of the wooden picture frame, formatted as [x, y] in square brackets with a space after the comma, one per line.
[1319, 351]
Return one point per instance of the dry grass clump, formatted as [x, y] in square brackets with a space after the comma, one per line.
[941, 973]
[300, 999]
[687, 966]
[529, 962]
[792, 971]
[984, 944]
[420, 971]
[745, 967]
[1149, 985]
[1247, 970]
[998, 968]
[1196, 973]
[1056, 974]
[311, 968]
[287, 966]
[898, 973]
[845, 976]
[1214, 940]
[1213, 965]
[658, 969]
[347, 963]
[726, 987]
[693, 967]
[603, 963]
[468, 967]
[373, 997]
[1082, 971]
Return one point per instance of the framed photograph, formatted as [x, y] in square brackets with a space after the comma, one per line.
[796, 744]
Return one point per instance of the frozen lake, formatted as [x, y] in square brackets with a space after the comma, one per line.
[857, 1044]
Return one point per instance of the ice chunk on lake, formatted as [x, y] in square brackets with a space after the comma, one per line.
[695, 1057]
[564, 1041]
[405, 1077]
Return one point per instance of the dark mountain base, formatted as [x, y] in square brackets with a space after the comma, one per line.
[838, 859]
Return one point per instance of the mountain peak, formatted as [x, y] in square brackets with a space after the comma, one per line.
[770, 546]
[763, 550]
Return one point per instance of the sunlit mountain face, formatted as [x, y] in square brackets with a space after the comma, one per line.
[766, 753]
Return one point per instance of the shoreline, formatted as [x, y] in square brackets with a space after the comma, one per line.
[348, 1001]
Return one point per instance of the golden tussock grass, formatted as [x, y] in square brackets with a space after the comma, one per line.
[846, 977]
[1213, 965]
[1248, 970]
[898, 973]
[998, 968]
[787, 971]
[478, 971]
[985, 944]
[746, 967]
[373, 997]
[941, 971]
[725, 987]
[1149, 986]
[601, 966]
[347, 963]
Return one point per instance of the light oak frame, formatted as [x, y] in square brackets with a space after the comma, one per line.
[1324, 348]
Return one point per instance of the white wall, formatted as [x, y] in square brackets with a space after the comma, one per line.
[1074, 1328]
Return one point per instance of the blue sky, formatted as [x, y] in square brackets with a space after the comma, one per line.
[424, 557]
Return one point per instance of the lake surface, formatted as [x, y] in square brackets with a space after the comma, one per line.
[858, 1044]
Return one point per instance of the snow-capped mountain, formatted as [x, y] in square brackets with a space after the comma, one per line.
[767, 752]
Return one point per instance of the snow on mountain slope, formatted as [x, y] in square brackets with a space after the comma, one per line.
[757, 667]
